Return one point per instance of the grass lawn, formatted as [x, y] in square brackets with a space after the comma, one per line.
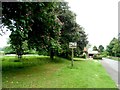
[40, 72]
[114, 58]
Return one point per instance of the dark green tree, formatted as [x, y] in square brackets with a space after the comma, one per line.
[71, 31]
[95, 48]
[101, 48]
[45, 26]
[35, 22]
[113, 47]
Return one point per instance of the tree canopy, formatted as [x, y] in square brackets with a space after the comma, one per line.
[101, 48]
[113, 47]
[44, 26]
[95, 48]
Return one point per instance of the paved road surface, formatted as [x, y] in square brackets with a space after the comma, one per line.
[111, 67]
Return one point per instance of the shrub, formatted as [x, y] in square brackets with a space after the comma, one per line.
[104, 54]
[83, 56]
[99, 57]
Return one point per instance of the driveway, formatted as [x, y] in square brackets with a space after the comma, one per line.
[111, 67]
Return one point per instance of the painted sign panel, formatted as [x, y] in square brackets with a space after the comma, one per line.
[72, 44]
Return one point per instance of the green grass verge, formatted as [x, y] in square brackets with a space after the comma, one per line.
[77, 59]
[40, 72]
[114, 58]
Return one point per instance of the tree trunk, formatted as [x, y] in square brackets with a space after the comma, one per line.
[51, 54]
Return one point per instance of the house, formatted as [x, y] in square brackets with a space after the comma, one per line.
[89, 52]
[92, 53]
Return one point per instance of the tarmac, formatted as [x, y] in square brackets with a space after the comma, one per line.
[111, 67]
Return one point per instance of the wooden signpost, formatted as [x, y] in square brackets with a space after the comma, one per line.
[72, 45]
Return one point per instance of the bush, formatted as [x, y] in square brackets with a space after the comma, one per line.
[104, 54]
[99, 57]
[43, 52]
[83, 56]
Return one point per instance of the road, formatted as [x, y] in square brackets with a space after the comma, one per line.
[111, 67]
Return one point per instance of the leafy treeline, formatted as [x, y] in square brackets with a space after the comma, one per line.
[99, 49]
[47, 27]
[113, 48]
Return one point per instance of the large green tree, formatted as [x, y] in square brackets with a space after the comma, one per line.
[45, 26]
[35, 22]
[71, 31]
[113, 47]
[101, 48]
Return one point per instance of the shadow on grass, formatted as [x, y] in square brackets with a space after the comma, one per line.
[15, 64]
[80, 60]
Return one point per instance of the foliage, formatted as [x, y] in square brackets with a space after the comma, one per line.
[99, 57]
[101, 48]
[8, 50]
[44, 26]
[35, 22]
[104, 54]
[70, 32]
[113, 48]
[82, 56]
[95, 48]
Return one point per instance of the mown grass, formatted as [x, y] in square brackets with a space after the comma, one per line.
[77, 59]
[41, 72]
[114, 58]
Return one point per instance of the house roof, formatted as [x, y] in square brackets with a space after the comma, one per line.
[93, 52]
[85, 49]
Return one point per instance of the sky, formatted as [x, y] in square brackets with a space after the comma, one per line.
[98, 17]
[4, 39]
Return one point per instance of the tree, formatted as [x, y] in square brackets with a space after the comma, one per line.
[101, 48]
[113, 47]
[8, 50]
[35, 22]
[95, 48]
[71, 31]
[45, 26]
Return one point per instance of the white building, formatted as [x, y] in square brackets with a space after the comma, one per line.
[92, 53]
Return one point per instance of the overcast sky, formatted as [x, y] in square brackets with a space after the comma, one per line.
[4, 39]
[98, 17]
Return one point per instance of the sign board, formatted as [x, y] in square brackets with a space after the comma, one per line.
[72, 44]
